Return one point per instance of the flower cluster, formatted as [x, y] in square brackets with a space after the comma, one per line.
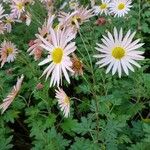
[8, 52]
[118, 8]
[56, 40]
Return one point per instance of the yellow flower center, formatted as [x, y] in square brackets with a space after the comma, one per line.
[9, 51]
[8, 21]
[118, 52]
[67, 100]
[121, 6]
[57, 27]
[76, 19]
[57, 55]
[20, 6]
[103, 6]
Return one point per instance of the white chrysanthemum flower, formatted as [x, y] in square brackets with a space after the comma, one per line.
[119, 53]
[9, 99]
[102, 8]
[63, 102]
[58, 48]
[8, 52]
[120, 7]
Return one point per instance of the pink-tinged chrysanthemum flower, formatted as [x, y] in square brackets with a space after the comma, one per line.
[11, 96]
[59, 50]
[66, 18]
[48, 4]
[102, 8]
[8, 52]
[1, 11]
[63, 102]
[119, 52]
[120, 7]
[9, 20]
[17, 8]
[2, 28]
[35, 48]
[76, 18]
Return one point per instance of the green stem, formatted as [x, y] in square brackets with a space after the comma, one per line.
[94, 83]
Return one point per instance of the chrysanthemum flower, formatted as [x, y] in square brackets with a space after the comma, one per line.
[9, 99]
[76, 18]
[18, 7]
[63, 102]
[120, 7]
[65, 18]
[8, 22]
[119, 52]
[8, 52]
[59, 48]
[35, 48]
[102, 8]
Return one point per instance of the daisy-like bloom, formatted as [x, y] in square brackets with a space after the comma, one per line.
[11, 96]
[59, 48]
[119, 52]
[8, 52]
[35, 48]
[82, 15]
[63, 102]
[76, 18]
[49, 5]
[120, 7]
[65, 18]
[17, 8]
[102, 8]
[9, 20]
[77, 65]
